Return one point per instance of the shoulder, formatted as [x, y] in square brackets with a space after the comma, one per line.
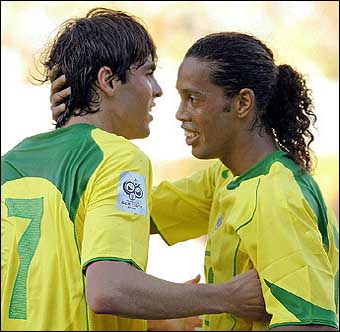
[279, 177]
[293, 190]
[117, 147]
[120, 156]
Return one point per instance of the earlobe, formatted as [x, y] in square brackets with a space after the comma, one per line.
[245, 102]
[106, 81]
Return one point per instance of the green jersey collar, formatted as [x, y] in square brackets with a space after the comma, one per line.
[260, 168]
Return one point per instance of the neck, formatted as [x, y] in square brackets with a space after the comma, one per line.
[97, 119]
[248, 152]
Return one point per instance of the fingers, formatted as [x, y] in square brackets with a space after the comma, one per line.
[57, 110]
[192, 323]
[58, 83]
[57, 95]
[195, 280]
[52, 73]
[60, 96]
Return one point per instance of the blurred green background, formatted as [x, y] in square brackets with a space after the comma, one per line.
[304, 34]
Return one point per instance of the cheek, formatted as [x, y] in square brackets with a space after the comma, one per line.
[212, 129]
[145, 89]
[206, 121]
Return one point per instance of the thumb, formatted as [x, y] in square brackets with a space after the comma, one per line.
[195, 280]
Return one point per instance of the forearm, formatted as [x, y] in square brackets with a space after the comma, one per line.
[133, 293]
[153, 298]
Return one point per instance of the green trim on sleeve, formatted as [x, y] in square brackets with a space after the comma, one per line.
[307, 322]
[303, 310]
[130, 261]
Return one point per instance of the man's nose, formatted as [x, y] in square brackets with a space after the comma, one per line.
[157, 90]
[182, 115]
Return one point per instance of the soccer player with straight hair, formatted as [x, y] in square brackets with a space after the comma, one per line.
[75, 202]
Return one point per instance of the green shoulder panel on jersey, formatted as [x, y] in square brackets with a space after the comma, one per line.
[313, 196]
[305, 181]
[66, 157]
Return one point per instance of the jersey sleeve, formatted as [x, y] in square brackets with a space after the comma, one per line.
[117, 221]
[286, 248]
[180, 210]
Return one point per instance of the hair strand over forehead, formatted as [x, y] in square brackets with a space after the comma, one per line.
[104, 37]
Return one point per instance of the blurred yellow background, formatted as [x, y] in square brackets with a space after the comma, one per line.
[304, 34]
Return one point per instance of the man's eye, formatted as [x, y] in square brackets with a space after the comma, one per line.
[192, 99]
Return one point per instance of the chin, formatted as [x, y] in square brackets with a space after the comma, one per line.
[201, 154]
[146, 132]
[143, 134]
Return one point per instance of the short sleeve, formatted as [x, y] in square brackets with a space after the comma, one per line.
[286, 248]
[117, 221]
[180, 210]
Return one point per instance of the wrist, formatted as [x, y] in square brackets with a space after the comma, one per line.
[223, 298]
[216, 299]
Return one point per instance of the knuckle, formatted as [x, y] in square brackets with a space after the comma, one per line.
[64, 93]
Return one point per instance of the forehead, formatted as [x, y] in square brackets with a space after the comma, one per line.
[194, 74]
[149, 64]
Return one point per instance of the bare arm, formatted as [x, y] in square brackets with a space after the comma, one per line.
[153, 229]
[304, 328]
[119, 288]
[177, 324]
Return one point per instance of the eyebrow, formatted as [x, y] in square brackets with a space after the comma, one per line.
[192, 91]
[150, 66]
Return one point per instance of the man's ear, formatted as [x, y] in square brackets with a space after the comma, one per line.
[106, 81]
[245, 102]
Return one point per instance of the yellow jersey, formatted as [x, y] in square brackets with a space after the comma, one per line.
[271, 218]
[69, 197]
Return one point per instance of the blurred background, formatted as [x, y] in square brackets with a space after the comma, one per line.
[304, 34]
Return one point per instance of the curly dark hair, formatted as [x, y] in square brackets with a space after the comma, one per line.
[284, 104]
[104, 37]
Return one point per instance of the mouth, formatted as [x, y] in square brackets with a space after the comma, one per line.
[191, 136]
[150, 117]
